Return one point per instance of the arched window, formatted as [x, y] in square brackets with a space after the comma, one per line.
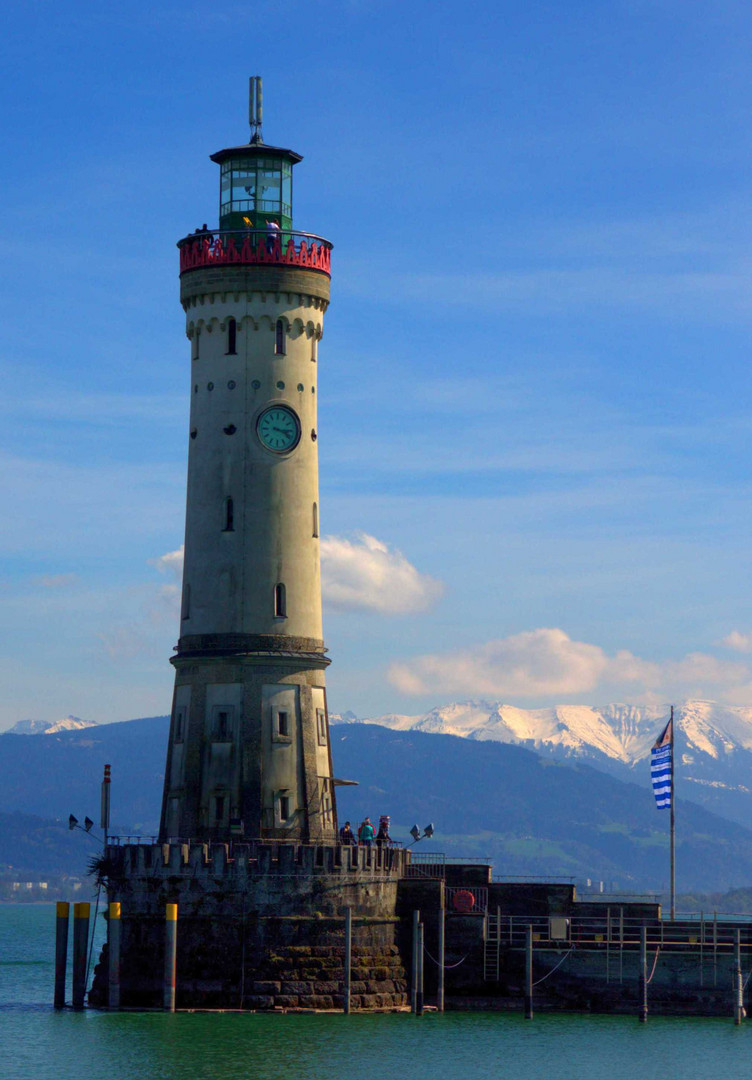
[232, 336]
[186, 612]
[279, 338]
[315, 519]
[280, 601]
[229, 516]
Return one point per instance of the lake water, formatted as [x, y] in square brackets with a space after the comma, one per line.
[37, 1043]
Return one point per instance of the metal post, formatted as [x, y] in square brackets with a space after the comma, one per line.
[414, 968]
[738, 984]
[61, 951]
[421, 954]
[643, 973]
[348, 960]
[442, 930]
[715, 949]
[529, 973]
[80, 952]
[113, 956]
[621, 945]
[170, 956]
[673, 818]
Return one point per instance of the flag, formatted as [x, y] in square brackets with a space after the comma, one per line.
[661, 766]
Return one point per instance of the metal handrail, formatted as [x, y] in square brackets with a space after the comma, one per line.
[253, 247]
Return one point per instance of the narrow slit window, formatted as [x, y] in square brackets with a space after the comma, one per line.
[279, 339]
[194, 345]
[284, 807]
[229, 525]
[315, 519]
[179, 724]
[314, 349]
[219, 808]
[321, 726]
[223, 725]
[232, 337]
[186, 612]
[283, 723]
[280, 601]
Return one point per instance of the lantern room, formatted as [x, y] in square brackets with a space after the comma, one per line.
[255, 186]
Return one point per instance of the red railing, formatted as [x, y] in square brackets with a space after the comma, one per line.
[251, 247]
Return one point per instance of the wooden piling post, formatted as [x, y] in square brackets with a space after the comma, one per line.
[80, 952]
[529, 973]
[348, 961]
[643, 973]
[421, 954]
[62, 921]
[738, 984]
[414, 965]
[442, 950]
[170, 956]
[113, 956]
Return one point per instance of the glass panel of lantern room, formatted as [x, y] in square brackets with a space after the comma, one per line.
[287, 191]
[225, 189]
[244, 188]
[269, 188]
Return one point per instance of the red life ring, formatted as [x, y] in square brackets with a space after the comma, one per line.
[463, 901]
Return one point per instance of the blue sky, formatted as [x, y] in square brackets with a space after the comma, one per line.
[534, 380]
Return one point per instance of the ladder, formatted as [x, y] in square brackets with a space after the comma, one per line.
[492, 946]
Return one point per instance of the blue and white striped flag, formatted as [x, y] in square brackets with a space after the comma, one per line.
[661, 766]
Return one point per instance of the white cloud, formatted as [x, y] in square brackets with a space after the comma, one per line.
[545, 662]
[171, 563]
[56, 581]
[365, 574]
[738, 641]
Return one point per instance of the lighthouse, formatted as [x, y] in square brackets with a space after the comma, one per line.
[248, 753]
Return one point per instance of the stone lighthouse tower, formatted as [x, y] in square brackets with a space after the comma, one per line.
[248, 751]
[248, 870]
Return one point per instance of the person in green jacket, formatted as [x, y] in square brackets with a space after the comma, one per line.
[365, 833]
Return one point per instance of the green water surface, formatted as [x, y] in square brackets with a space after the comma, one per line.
[36, 1043]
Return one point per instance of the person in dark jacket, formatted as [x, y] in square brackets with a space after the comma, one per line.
[346, 835]
[382, 836]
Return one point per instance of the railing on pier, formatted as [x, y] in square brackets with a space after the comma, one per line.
[253, 247]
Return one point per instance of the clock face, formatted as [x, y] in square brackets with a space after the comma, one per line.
[278, 429]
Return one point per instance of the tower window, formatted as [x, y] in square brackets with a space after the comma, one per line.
[321, 726]
[279, 339]
[283, 723]
[219, 808]
[229, 525]
[284, 807]
[232, 337]
[222, 723]
[314, 348]
[315, 519]
[194, 345]
[179, 724]
[186, 612]
[280, 601]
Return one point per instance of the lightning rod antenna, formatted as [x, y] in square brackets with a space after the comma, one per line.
[255, 107]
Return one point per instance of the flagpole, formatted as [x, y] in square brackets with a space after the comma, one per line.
[673, 822]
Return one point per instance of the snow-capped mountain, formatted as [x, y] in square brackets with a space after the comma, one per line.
[713, 741]
[44, 727]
